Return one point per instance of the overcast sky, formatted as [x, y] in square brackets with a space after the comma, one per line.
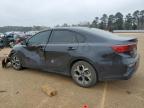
[53, 12]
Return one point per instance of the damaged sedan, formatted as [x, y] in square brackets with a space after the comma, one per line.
[88, 55]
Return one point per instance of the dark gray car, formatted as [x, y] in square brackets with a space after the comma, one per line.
[87, 54]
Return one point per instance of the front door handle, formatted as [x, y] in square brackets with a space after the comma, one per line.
[71, 48]
[41, 48]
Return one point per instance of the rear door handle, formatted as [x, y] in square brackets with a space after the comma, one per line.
[71, 48]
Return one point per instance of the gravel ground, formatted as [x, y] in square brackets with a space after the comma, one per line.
[22, 89]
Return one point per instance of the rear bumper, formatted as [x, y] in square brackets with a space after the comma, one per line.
[132, 68]
[123, 73]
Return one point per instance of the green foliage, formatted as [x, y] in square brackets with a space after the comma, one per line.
[95, 23]
[103, 23]
[118, 21]
[128, 25]
[134, 21]
[111, 21]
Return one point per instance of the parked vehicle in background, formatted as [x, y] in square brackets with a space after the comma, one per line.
[1, 40]
[31, 33]
[9, 39]
[88, 55]
[1, 43]
[12, 38]
[1, 35]
[17, 40]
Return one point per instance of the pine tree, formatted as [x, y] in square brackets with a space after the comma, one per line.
[142, 19]
[118, 21]
[103, 23]
[128, 22]
[95, 23]
[111, 20]
[136, 19]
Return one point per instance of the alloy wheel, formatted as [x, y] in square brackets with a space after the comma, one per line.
[82, 74]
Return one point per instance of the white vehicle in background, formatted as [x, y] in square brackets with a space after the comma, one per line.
[31, 33]
[1, 35]
[1, 41]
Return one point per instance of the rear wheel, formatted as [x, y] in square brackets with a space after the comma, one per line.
[15, 62]
[84, 74]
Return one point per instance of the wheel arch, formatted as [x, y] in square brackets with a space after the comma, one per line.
[11, 53]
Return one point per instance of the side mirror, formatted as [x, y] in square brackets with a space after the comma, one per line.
[24, 42]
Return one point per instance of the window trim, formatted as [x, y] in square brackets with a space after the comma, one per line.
[65, 30]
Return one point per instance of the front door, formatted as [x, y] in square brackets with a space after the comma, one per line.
[34, 50]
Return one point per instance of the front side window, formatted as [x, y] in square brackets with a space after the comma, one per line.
[40, 38]
[63, 37]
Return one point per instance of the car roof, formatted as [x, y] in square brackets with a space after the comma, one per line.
[71, 28]
[68, 28]
[90, 32]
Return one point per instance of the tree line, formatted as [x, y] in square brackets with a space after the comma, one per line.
[131, 21]
[118, 21]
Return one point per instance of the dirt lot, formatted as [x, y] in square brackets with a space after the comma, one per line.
[22, 89]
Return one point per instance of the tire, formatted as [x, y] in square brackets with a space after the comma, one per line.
[15, 62]
[84, 74]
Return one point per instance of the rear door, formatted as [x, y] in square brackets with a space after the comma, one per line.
[60, 49]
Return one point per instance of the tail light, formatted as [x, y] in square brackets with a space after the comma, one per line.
[124, 48]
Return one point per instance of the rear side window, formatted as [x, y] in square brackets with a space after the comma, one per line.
[40, 38]
[63, 36]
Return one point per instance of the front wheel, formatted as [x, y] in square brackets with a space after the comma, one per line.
[84, 74]
[15, 62]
